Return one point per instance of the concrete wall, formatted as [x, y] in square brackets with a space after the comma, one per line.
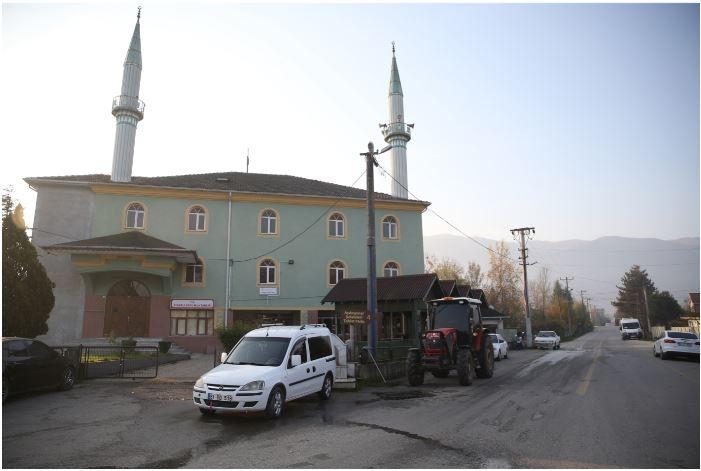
[67, 211]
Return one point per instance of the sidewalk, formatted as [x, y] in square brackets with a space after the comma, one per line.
[186, 371]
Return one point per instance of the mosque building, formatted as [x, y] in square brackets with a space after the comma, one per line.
[173, 257]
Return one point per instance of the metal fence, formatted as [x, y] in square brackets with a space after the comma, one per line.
[111, 361]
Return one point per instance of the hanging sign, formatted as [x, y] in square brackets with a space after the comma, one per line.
[356, 317]
[192, 304]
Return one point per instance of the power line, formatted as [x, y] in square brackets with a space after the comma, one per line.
[445, 220]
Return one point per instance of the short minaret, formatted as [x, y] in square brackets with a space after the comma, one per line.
[397, 133]
[128, 109]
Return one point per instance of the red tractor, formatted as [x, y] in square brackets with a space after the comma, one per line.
[456, 341]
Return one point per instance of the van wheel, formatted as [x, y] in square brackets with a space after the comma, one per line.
[325, 393]
[276, 402]
[67, 379]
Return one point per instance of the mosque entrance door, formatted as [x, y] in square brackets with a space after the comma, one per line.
[127, 310]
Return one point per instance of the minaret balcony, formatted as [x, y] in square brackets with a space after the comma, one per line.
[394, 130]
[128, 104]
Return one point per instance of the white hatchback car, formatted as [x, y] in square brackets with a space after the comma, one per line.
[676, 344]
[501, 347]
[268, 367]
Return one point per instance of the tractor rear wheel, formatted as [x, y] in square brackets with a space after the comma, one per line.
[486, 359]
[465, 367]
[414, 370]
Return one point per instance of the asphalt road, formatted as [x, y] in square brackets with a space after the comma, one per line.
[597, 402]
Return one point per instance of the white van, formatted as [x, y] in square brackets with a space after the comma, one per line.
[630, 328]
[268, 367]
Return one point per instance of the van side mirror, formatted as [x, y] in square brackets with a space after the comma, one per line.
[223, 357]
[296, 360]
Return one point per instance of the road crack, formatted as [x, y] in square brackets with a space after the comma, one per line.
[427, 440]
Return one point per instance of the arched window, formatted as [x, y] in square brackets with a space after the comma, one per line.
[337, 271]
[391, 269]
[135, 216]
[268, 222]
[196, 219]
[337, 225]
[390, 228]
[194, 273]
[266, 272]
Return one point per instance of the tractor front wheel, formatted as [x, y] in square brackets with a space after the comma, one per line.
[486, 359]
[414, 370]
[465, 367]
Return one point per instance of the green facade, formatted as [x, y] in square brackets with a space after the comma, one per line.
[302, 283]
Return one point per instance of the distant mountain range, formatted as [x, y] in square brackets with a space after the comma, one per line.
[597, 266]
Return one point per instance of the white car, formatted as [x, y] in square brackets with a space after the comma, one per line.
[676, 344]
[547, 339]
[268, 367]
[501, 347]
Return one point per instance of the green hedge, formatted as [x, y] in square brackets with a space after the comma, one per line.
[229, 336]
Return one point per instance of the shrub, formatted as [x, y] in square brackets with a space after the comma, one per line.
[164, 346]
[130, 342]
[229, 336]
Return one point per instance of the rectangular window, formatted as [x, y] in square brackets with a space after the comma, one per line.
[192, 223]
[193, 274]
[191, 323]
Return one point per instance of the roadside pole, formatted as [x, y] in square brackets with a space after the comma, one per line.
[525, 231]
[370, 162]
[647, 314]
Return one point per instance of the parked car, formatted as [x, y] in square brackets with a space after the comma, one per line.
[547, 339]
[501, 346]
[30, 364]
[268, 367]
[672, 343]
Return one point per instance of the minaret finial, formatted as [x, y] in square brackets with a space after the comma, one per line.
[392, 47]
[138, 14]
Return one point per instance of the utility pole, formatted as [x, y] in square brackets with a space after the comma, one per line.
[370, 162]
[567, 280]
[647, 312]
[591, 319]
[525, 231]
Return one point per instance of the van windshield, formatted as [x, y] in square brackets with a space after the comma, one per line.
[261, 351]
[631, 325]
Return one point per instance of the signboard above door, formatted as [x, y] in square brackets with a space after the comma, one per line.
[192, 304]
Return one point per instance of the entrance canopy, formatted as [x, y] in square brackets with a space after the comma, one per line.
[126, 243]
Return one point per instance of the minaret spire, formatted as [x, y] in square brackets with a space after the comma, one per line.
[397, 133]
[128, 109]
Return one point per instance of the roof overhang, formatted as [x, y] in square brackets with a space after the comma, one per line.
[181, 256]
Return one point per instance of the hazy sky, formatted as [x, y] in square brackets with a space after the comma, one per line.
[580, 120]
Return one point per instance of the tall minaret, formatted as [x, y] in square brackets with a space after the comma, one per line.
[397, 133]
[128, 109]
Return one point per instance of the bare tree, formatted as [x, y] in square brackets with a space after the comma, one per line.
[446, 268]
[504, 282]
[475, 276]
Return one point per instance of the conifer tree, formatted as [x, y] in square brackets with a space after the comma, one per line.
[27, 291]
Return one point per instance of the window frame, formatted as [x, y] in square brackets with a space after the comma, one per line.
[397, 228]
[397, 265]
[276, 219]
[195, 283]
[206, 320]
[344, 226]
[276, 273]
[204, 217]
[144, 214]
[329, 267]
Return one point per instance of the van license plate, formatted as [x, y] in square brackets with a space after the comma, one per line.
[219, 397]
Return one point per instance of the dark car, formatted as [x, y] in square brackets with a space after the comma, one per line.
[30, 364]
